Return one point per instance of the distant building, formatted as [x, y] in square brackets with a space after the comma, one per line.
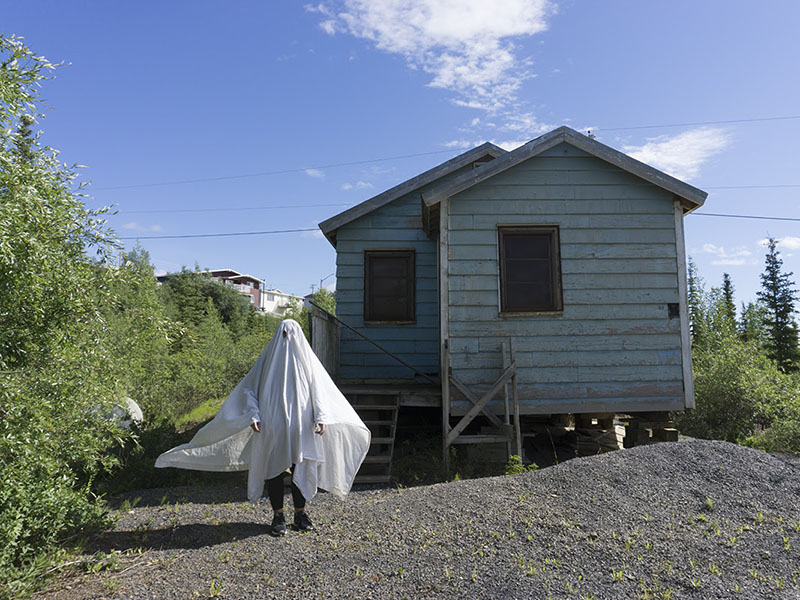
[264, 300]
[278, 302]
[269, 301]
[247, 285]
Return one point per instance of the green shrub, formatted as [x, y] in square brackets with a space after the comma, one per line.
[782, 435]
[57, 380]
[736, 388]
[54, 442]
[515, 466]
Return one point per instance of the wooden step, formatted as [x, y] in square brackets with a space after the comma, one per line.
[383, 440]
[481, 439]
[373, 479]
[378, 459]
[378, 410]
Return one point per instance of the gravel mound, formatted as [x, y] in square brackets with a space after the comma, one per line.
[693, 519]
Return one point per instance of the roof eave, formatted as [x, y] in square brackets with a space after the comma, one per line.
[691, 196]
[329, 226]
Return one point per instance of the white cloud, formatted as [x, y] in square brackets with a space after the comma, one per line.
[732, 262]
[466, 46]
[509, 144]
[526, 123]
[723, 252]
[316, 233]
[315, 173]
[460, 144]
[134, 226]
[358, 185]
[788, 243]
[681, 155]
[467, 144]
[736, 256]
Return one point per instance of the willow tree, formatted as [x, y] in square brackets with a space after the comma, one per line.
[54, 375]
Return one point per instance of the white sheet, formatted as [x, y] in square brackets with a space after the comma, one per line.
[288, 391]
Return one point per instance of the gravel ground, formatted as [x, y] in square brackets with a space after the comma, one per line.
[693, 519]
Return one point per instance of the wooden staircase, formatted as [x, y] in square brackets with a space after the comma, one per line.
[378, 410]
[501, 430]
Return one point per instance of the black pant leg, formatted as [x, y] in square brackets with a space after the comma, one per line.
[275, 491]
[297, 497]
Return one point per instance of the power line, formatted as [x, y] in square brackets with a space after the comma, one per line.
[746, 217]
[245, 208]
[285, 206]
[207, 235]
[232, 209]
[750, 187]
[726, 122]
[400, 157]
[244, 233]
[265, 173]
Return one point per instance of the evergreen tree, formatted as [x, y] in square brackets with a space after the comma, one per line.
[729, 308]
[779, 295]
[698, 317]
[751, 323]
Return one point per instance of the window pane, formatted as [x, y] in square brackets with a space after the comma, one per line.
[527, 246]
[381, 286]
[528, 269]
[389, 286]
[527, 296]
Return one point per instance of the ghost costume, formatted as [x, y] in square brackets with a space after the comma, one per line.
[288, 391]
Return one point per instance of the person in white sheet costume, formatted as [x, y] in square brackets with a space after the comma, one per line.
[267, 424]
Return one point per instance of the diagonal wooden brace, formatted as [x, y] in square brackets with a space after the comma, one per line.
[475, 410]
[474, 399]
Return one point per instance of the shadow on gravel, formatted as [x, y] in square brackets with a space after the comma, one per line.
[181, 495]
[198, 535]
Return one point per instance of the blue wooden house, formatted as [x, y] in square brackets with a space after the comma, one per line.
[547, 280]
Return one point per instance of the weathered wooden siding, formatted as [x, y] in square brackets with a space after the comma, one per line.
[613, 347]
[397, 225]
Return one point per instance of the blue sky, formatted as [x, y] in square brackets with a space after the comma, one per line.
[284, 109]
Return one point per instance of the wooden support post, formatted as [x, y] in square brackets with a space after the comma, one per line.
[475, 410]
[446, 408]
[515, 400]
[487, 410]
[506, 362]
[444, 330]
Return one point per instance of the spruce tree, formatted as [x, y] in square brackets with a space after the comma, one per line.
[751, 322]
[698, 314]
[728, 306]
[779, 295]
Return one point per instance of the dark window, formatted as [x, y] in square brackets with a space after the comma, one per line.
[674, 310]
[389, 285]
[530, 270]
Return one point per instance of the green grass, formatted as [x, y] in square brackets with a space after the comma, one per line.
[200, 414]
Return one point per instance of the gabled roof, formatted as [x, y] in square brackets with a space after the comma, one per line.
[690, 196]
[235, 274]
[330, 226]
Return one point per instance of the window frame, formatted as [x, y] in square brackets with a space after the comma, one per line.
[411, 291]
[556, 304]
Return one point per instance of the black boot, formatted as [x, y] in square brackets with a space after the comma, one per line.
[279, 524]
[302, 522]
